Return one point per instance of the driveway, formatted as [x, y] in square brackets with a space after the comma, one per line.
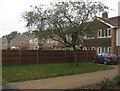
[65, 82]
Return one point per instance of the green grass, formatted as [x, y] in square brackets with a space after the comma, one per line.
[15, 73]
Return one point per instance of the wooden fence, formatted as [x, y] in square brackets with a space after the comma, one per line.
[43, 56]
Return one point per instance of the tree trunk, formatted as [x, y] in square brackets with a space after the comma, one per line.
[8, 45]
[75, 56]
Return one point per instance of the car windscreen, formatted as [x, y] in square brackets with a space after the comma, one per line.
[113, 56]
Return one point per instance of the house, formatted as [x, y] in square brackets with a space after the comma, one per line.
[33, 42]
[20, 42]
[108, 37]
[4, 43]
[41, 42]
[7, 38]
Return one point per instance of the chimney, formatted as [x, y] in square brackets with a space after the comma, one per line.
[105, 15]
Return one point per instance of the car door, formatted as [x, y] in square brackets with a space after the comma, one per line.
[100, 58]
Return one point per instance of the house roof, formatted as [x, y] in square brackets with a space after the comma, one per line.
[113, 22]
[98, 42]
[21, 35]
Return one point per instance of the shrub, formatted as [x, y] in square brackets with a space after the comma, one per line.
[106, 83]
[117, 80]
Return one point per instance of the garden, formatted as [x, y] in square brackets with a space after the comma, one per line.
[24, 72]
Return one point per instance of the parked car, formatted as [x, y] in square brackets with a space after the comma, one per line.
[106, 58]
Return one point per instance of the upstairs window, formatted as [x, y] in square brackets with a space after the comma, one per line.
[104, 33]
[109, 32]
[99, 33]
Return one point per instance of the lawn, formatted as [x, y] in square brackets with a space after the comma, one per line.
[15, 73]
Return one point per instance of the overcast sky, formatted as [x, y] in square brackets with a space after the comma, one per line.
[11, 11]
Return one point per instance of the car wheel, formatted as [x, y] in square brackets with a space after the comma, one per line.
[105, 62]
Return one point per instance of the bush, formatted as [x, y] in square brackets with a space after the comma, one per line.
[117, 80]
[106, 83]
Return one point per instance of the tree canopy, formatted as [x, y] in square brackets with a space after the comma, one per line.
[64, 18]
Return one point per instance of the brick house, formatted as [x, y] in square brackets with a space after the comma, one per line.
[108, 38]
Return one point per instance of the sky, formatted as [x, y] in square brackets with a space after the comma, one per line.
[11, 12]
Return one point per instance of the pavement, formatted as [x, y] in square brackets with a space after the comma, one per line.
[65, 82]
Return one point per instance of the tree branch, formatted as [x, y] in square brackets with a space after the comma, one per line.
[64, 43]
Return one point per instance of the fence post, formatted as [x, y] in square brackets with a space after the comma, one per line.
[65, 56]
[37, 56]
[52, 56]
[20, 57]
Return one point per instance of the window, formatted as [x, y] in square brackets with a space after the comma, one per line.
[92, 48]
[99, 33]
[104, 33]
[101, 49]
[109, 49]
[84, 48]
[88, 48]
[109, 32]
[104, 49]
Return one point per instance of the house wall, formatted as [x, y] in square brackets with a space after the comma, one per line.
[118, 37]
[113, 41]
[119, 51]
[33, 43]
[21, 41]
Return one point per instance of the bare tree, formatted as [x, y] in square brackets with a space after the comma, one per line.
[64, 18]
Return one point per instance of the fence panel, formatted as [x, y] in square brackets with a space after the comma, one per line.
[43, 56]
[10, 57]
[86, 55]
[28, 57]
[69, 56]
[59, 56]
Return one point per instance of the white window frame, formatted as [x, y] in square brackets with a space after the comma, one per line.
[103, 31]
[93, 48]
[99, 33]
[108, 32]
[100, 49]
[109, 49]
[88, 48]
[84, 48]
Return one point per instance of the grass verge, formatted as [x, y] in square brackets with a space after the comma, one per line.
[15, 73]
